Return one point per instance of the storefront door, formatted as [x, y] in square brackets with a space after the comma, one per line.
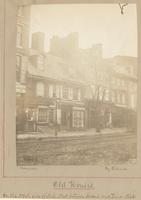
[66, 118]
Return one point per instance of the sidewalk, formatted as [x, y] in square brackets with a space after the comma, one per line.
[90, 132]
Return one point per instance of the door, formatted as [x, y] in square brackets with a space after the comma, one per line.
[66, 118]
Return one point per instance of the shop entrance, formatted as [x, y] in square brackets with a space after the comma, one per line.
[66, 118]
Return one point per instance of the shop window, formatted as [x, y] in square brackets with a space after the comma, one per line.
[40, 90]
[43, 115]
[31, 114]
[51, 116]
[78, 119]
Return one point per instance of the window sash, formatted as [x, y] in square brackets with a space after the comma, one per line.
[78, 119]
[43, 115]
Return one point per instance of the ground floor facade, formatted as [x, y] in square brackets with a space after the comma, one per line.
[63, 115]
[71, 116]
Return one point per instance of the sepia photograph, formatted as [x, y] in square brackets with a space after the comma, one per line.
[76, 84]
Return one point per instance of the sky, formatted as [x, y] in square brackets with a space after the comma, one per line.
[95, 23]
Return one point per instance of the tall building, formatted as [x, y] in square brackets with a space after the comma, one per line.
[52, 98]
[22, 44]
[65, 47]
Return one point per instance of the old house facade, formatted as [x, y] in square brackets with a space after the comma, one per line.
[52, 98]
[80, 92]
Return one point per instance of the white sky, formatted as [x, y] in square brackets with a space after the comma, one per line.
[95, 23]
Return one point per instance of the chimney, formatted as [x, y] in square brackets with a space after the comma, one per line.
[38, 40]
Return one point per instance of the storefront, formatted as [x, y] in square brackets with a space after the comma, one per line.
[78, 118]
[73, 117]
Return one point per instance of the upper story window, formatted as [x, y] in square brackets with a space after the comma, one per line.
[19, 35]
[76, 94]
[79, 94]
[70, 93]
[58, 91]
[51, 91]
[40, 89]
[65, 92]
[40, 62]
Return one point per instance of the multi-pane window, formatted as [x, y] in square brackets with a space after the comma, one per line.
[78, 119]
[70, 93]
[19, 35]
[43, 115]
[77, 94]
[65, 92]
[31, 114]
[51, 116]
[40, 89]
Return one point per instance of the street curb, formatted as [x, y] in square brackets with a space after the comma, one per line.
[73, 136]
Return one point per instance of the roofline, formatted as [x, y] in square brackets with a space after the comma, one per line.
[58, 80]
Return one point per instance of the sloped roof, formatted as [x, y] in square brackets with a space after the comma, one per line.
[55, 68]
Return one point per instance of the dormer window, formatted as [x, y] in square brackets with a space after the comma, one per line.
[40, 62]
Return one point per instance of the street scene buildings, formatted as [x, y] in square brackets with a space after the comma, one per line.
[70, 90]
